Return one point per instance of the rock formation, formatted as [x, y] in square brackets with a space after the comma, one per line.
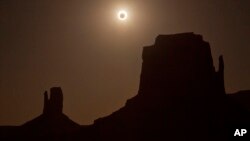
[181, 97]
[52, 122]
[178, 91]
[54, 105]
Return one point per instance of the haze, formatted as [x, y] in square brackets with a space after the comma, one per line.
[82, 47]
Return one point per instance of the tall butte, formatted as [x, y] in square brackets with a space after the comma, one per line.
[181, 95]
[180, 64]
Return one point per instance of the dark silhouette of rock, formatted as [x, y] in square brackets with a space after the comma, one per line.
[178, 91]
[52, 124]
[54, 105]
[181, 97]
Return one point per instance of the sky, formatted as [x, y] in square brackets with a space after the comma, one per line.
[81, 46]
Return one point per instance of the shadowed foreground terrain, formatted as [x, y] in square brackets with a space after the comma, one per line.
[181, 97]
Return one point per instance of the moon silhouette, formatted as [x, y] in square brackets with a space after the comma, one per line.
[122, 15]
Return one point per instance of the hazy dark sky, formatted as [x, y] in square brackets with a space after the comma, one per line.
[82, 47]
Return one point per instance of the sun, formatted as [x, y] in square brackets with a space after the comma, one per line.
[122, 15]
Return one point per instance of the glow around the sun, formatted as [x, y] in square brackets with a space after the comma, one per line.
[122, 15]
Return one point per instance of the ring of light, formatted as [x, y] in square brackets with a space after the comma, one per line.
[122, 15]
